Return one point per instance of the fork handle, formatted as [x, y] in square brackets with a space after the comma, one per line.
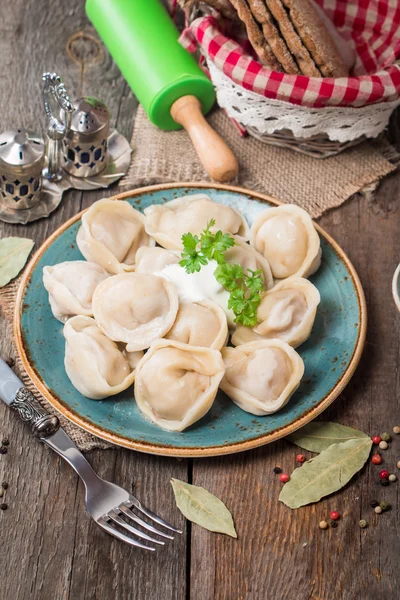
[19, 398]
[44, 426]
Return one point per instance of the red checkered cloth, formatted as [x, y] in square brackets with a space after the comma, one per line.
[371, 26]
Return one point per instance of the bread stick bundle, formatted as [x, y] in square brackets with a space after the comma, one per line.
[290, 36]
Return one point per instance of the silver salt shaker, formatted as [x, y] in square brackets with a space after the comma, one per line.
[22, 157]
[85, 147]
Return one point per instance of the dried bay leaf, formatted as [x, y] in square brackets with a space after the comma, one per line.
[14, 253]
[317, 437]
[203, 508]
[325, 473]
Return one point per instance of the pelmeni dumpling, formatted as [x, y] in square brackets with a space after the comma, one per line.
[135, 309]
[176, 384]
[200, 324]
[248, 258]
[166, 223]
[261, 376]
[71, 286]
[287, 312]
[95, 365]
[287, 238]
[110, 235]
[153, 260]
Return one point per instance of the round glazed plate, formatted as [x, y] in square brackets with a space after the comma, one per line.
[331, 354]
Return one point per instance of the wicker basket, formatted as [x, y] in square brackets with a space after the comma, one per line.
[317, 117]
[318, 146]
[316, 132]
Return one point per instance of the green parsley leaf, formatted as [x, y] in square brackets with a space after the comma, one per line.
[190, 242]
[227, 275]
[213, 245]
[210, 224]
[245, 307]
[245, 288]
[193, 264]
[246, 320]
[192, 259]
[237, 300]
[222, 242]
[254, 281]
[207, 240]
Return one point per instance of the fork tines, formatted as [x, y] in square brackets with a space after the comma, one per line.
[113, 523]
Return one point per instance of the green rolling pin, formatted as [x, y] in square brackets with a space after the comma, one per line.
[166, 79]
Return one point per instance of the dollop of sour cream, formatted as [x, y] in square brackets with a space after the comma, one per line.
[195, 287]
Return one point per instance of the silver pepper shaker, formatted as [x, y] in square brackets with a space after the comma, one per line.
[22, 157]
[85, 147]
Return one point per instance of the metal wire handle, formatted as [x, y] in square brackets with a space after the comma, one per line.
[54, 93]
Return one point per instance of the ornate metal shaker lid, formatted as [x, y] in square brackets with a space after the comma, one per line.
[21, 151]
[89, 120]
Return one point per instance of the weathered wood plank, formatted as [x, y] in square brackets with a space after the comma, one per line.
[268, 559]
[53, 551]
[101, 564]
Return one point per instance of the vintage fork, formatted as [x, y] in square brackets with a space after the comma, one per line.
[111, 507]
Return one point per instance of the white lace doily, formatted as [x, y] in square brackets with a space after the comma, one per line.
[268, 116]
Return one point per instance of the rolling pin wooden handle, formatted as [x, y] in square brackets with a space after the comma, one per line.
[216, 157]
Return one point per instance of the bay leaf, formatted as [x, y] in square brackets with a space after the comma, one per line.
[14, 253]
[325, 473]
[317, 437]
[203, 508]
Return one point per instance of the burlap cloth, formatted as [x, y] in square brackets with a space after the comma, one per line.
[316, 185]
[84, 440]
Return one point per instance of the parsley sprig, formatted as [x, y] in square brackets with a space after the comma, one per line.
[197, 251]
[245, 287]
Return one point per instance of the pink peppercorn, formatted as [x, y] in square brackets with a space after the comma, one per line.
[384, 474]
[334, 515]
[284, 477]
[377, 459]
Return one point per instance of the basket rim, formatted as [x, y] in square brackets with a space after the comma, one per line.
[382, 86]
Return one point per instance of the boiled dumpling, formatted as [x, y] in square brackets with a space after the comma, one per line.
[95, 365]
[248, 258]
[287, 238]
[135, 309]
[287, 312]
[176, 384]
[200, 324]
[261, 376]
[110, 235]
[198, 286]
[71, 286]
[153, 260]
[166, 223]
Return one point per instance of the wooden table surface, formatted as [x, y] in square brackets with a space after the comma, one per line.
[50, 550]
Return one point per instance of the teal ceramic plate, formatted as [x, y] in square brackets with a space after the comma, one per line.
[396, 287]
[330, 354]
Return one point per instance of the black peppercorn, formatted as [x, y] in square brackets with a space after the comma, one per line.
[3, 506]
[334, 523]
[374, 503]
[277, 470]
[4, 485]
[5, 442]
[385, 482]
[3, 450]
